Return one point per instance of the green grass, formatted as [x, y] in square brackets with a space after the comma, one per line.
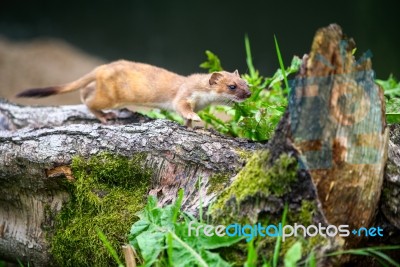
[257, 117]
[391, 89]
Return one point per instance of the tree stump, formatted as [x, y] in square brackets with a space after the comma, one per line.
[338, 125]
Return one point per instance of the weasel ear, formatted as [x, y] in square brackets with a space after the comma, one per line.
[236, 72]
[215, 77]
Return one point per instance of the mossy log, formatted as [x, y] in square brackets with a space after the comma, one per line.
[36, 157]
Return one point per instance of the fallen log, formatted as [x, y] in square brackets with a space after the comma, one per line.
[33, 160]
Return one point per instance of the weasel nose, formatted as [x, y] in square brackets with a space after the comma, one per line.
[248, 94]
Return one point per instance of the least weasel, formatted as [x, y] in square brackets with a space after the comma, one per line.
[122, 82]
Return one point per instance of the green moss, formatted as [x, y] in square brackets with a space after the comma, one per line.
[218, 182]
[305, 215]
[391, 168]
[108, 191]
[307, 211]
[256, 177]
[244, 154]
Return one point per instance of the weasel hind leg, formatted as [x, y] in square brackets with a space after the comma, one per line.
[88, 97]
[103, 116]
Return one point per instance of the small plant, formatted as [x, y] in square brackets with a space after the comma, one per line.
[391, 89]
[390, 86]
[290, 259]
[257, 117]
[161, 237]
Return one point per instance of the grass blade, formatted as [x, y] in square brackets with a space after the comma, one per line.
[249, 59]
[384, 257]
[278, 52]
[109, 247]
[278, 243]
[251, 255]
[375, 252]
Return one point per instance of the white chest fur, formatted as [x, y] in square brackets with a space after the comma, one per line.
[201, 100]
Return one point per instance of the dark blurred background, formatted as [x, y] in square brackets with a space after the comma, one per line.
[175, 34]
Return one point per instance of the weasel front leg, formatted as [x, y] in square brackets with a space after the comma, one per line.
[185, 109]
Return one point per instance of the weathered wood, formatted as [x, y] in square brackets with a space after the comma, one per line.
[13, 117]
[33, 160]
[338, 126]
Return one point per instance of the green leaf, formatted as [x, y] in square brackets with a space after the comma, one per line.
[212, 64]
[170, 248]
[138, 228]
[161, 236]
[150, 245]
[311, 260]
[213, 259]
[214, 242]
[184, 254]
[388, 84]
[293, 255]
[177, 206]
[393, 117]
[251, 255]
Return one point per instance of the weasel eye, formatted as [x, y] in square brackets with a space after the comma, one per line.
[232, 87]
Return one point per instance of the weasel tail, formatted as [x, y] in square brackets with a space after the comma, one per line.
[53, 90]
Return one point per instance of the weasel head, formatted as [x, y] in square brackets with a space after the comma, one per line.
[230, 85]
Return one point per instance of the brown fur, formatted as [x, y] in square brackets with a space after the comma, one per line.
[121, 83]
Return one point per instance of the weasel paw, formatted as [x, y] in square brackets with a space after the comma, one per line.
[110, 116]
[193, 117]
